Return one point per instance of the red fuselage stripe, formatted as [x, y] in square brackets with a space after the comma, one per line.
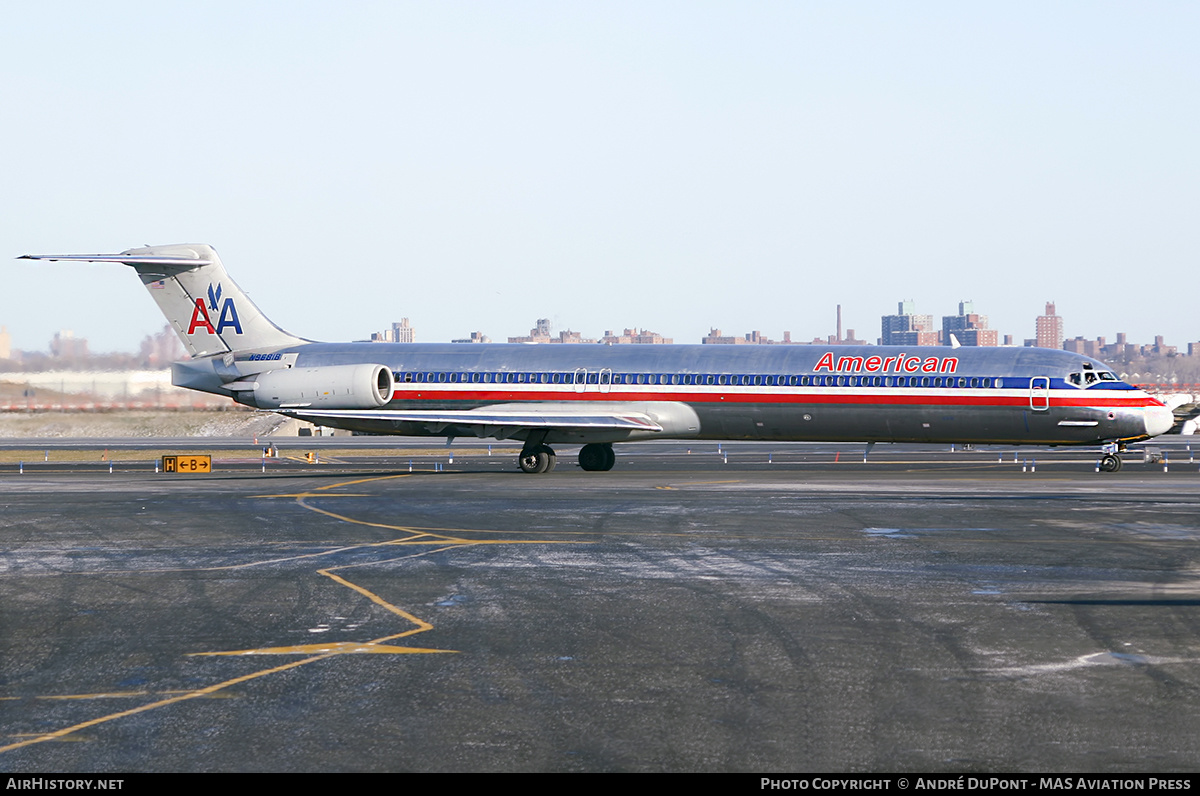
[1104, 399]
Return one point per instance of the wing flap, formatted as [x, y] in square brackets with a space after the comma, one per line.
[629, 421]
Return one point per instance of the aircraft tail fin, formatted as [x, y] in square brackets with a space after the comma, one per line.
[207, 309]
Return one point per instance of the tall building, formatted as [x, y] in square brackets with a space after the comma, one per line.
[476, 337]
[1049, 329]
[968, 327]
[635, 337]
[538, 334]
[541, 334]
[715, 337]
[399, 333]
[161, 349]
[65, 345]
[907, 328]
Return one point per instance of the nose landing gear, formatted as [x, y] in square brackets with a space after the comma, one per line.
[1110, 462]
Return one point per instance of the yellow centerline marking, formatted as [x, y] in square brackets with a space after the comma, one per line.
[339, 647]
[50, 736]
[102, 695]
[314, 652]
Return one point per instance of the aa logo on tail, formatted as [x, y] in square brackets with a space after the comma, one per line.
[202, 320]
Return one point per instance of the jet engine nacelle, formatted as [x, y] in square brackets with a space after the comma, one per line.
[332, 387]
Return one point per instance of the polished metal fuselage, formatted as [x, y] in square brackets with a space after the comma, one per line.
[784, 392]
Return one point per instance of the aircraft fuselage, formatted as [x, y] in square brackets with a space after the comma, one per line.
[785, 392]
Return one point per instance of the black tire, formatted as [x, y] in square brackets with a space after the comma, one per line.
[1110, 463]
[538, 461]
[597, 457]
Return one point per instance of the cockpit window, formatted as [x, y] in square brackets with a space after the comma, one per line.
[1090, 377]
[1108, 376]
[1074, 379]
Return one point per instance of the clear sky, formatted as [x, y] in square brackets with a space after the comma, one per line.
[670, 165]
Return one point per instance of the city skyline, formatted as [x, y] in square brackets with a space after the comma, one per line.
[906, 328]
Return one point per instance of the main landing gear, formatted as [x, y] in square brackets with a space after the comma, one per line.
[597, 457]
[539, 459]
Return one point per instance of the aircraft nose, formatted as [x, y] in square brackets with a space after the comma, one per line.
[1158, 420]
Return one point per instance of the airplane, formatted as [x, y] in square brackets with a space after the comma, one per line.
[597, 395]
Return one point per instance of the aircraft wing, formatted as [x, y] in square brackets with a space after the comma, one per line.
[490, 419]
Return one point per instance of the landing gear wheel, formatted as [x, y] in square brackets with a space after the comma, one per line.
[539, 460]
[597, 457]
[1110, 463]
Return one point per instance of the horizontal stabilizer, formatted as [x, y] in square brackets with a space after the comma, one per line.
[182, 263]
[206, 308]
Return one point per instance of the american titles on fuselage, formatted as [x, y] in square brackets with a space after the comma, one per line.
[897, 364]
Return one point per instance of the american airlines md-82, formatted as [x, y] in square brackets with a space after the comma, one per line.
[594, 395]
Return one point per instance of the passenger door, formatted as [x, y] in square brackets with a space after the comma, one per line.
[1039, 393]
